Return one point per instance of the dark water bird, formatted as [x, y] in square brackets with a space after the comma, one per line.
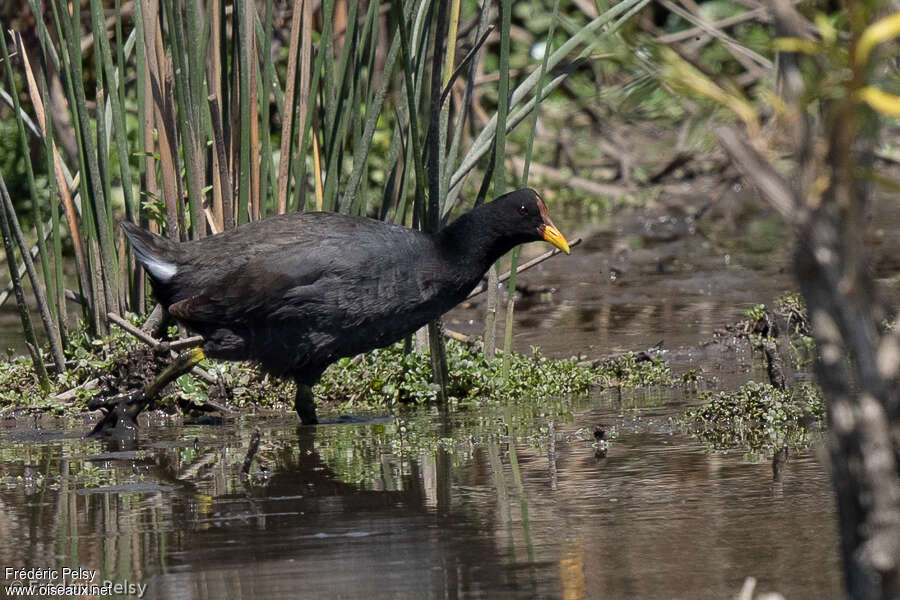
[296, 292]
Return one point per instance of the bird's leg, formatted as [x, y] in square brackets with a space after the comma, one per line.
[121, 418]
[305, 404]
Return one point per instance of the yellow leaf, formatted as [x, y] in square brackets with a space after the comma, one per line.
[876, 33]
[789, 44]
[679, 72]
[882, 102]
[776, 102]
[826, 29]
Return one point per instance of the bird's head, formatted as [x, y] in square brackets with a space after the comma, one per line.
[524, 212]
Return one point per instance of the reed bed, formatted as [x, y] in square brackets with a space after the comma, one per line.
[190, 118]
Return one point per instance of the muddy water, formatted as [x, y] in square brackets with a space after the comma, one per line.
[363, 510]
[503, 502]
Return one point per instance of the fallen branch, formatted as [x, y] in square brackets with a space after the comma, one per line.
[760, 173]
[574, 182]
[774, 366]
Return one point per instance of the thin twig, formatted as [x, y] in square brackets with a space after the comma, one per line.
[161, 346]
[188, 342]
[761, 13]
[465, 61]
[525, 266]
[736, 49]
[136, 332]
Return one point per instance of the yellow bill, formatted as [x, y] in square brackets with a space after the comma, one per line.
[553, 236]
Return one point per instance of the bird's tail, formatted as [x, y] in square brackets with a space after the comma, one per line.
[155, 252]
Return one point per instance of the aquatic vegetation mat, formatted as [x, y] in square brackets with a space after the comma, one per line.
[372, 381]
[632, 370]
[389, 375]
[758, 417]
[92, 364]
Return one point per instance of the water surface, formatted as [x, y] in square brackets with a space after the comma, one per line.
[366, 510]
[510, 501]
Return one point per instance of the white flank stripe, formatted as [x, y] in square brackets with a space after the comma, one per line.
[163, 271]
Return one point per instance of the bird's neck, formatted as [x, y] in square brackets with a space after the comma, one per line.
[473, 240]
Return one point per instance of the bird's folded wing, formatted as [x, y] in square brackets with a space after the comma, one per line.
[191, 309]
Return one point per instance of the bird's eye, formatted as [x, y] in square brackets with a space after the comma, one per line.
[522, 210]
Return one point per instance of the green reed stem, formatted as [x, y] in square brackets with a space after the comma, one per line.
[22, 305]
[29, 171]
[529, 147]
[499, 168]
